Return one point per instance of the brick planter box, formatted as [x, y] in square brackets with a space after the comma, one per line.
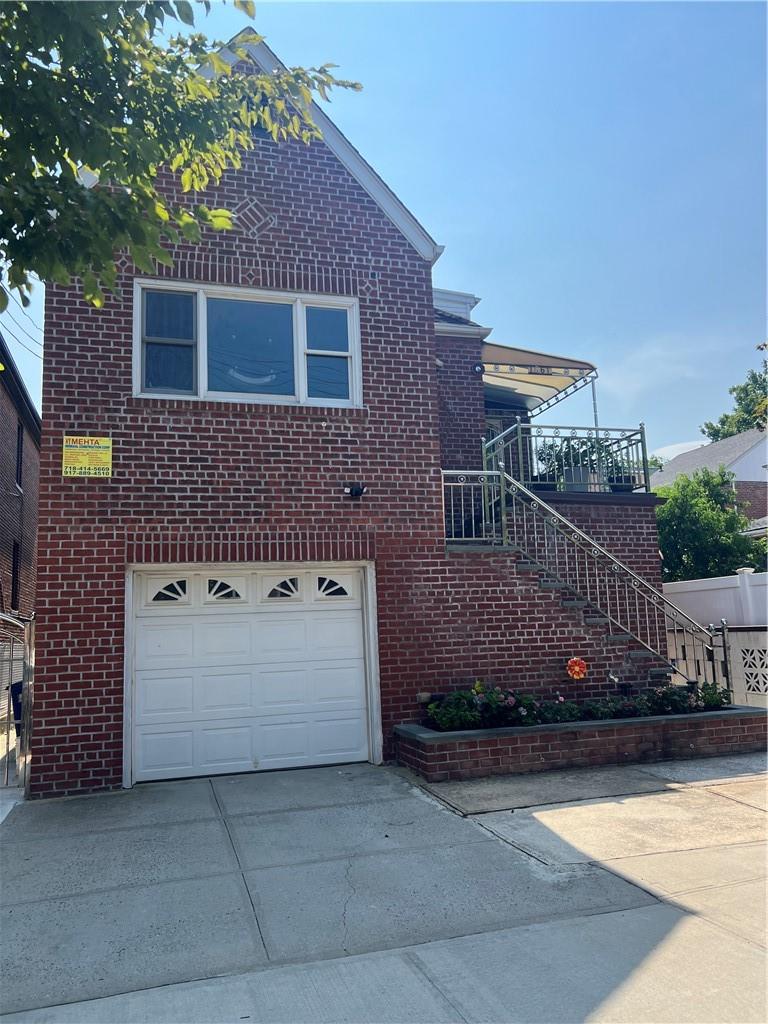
[477, 753]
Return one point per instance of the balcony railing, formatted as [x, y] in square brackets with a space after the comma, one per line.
[600, 460]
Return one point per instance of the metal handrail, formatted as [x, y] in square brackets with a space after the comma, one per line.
[599, 459]
[621, 431]
[574, 529]
[664, 621]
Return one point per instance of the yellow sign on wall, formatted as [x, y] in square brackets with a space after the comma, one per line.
[86, 456]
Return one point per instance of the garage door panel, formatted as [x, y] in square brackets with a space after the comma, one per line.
[224, 689]
[281, 690]
[228, 640]
[338, 683]
[163, 643]
[226, 747]
[160, 752]
[335, 635]
[163, 695]
[281, 639]
[336, 737]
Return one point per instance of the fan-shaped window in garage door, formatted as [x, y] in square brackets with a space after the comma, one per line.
[330, 588]
[287, 588]
[220, 590]
[174, 591]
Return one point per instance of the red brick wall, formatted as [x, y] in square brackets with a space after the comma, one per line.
[240, 482]
[18, 510]
[461, 402]
[537, 749]
[624, 526]
[225, 475]
[754, 496]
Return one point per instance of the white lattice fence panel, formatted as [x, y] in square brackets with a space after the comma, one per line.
[749, 667]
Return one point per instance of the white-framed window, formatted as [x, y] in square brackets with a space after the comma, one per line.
[228, 344]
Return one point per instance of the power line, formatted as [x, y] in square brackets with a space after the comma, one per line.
[5, 331]
[23, 310]
[21, 328]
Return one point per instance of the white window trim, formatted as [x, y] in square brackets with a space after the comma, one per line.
[298, 300]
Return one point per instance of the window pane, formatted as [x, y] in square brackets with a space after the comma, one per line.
[250, 347]
[327, 329]
[327, 377]
[169, 367]
[169, 315]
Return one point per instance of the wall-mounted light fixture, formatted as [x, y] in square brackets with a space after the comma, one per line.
[478, 368]
[355, 490]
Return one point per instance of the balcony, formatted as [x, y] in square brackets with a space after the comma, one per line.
[590, 460]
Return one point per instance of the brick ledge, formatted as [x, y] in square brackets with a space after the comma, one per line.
[425, 735]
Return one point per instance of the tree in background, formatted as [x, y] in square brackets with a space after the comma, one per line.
[95, 93]
[749, 408]
[700, 528]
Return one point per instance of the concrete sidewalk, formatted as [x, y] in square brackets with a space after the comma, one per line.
[346, 895]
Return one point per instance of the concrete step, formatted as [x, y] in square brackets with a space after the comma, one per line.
[641, 655]
[660, 673]
[552, 585]
[620, 638]
[574, 602]
[595, 620]
[525, 566]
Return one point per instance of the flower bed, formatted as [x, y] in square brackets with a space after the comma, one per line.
[474, 753]
[485, 706]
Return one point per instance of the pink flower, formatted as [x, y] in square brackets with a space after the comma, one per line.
[511, 701]
[561, 700]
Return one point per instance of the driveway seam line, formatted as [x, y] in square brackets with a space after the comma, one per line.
[421, 968]
[242, 873]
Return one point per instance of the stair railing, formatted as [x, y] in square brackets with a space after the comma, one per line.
[628, 602]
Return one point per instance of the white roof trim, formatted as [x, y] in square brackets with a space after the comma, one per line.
[362, 171]
[462, 330]
[461, 303]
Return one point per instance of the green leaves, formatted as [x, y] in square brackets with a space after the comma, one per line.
[97, 86]
[700, 529]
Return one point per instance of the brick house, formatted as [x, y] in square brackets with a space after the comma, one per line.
[19, 473]
[309, 521]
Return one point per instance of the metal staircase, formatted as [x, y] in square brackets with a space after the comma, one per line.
[493, 508]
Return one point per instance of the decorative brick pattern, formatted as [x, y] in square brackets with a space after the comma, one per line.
[441, 756]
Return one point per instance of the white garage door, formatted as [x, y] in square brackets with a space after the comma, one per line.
[237, 670]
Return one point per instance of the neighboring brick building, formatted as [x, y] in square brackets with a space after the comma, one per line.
[19, 474]
[227, 600]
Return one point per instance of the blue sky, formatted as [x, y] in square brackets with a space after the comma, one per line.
[596, 172]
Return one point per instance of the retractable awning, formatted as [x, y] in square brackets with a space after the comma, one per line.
[520, 378]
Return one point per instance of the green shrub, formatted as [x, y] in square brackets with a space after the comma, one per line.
[456, 711]
[713, 698]
[671, 700]
[560, 710]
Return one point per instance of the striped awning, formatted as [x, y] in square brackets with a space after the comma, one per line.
[521, 378]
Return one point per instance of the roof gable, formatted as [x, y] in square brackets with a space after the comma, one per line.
[708, 456]
[357, 166]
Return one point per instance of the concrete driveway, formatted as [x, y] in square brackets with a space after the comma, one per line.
[346, 894]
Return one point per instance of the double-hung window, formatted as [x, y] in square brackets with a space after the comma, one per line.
[227, 344]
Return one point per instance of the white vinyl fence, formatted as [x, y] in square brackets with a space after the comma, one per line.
[741, 599]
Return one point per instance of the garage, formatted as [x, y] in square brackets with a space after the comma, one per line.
[251, 670]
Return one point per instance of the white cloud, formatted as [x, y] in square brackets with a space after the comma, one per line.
[669, 451]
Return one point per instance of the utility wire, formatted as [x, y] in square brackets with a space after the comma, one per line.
[23, 310]
[23, 329]
[4, 330]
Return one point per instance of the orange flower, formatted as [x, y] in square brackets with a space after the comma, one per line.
[576, 668]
